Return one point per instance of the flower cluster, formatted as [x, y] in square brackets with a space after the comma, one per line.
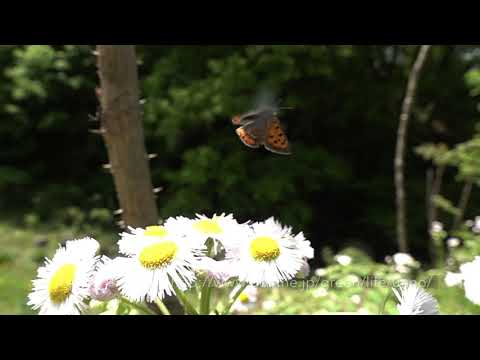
[159, 261]
[403, 263]
[469, 275]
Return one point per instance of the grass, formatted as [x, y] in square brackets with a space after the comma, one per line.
[20, 257]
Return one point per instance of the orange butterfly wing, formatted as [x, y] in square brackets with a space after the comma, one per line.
[276, 141]
[247, 138]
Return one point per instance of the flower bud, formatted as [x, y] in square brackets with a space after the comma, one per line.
[217, 271]
[103, 285]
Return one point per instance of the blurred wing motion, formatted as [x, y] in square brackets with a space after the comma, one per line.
[276, 140]
[246, 118]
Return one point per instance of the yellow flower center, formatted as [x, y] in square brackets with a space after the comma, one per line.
[264, 248]
[243, 298]
[158, 255]
[158, 231]
[60, 286]
[208, 226]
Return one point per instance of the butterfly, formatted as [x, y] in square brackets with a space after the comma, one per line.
[262, 127]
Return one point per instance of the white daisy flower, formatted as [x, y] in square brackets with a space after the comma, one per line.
[343, 260]
[219, 228]
[415, 301]
[356, 299]
[156, 256]
[62, 283]
[402, 269]
[436, 227]
[87, 247]
[404, 263]
[453, 242]
[453, 279]
[304, 246]
[321, 272]
[301, 243]
[320, 292]
[476, 225]
[403, 259]
[246, 300]
[471, 280]
[269, 305]
[103, 285]
[266, 254]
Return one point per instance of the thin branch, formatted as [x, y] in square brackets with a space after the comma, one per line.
[463, 203]
[400, 148]
[436, 187]
[428, 197]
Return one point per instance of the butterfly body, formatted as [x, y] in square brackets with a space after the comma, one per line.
[262, 127]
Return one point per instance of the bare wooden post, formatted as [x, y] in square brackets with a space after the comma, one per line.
[400, 148]
[122, 130]
[123, 134]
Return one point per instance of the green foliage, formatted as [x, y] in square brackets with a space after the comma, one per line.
[337, 186]
[438, 153]
[469, 248]
[472, 79]
[445, 205]
[346, 101]
[466, 157]
[333, 89]
[47, 93]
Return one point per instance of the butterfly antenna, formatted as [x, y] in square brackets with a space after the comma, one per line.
[279, 101]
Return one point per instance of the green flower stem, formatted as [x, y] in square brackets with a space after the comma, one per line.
[139, 307]
[384, 304]
[205, 302]
[189, 309]
[164, 310]
[234, 298]
[440, 250]
[206, 289]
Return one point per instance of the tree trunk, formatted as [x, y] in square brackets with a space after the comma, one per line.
[123, 134]
[122, 131]
[400, 148]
